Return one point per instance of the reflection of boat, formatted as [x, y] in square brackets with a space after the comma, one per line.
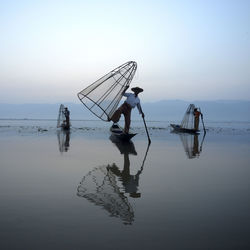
[190, 121]
[117, 131]
[191, 144]
[63, 137]
[126, 147]
[99, 186]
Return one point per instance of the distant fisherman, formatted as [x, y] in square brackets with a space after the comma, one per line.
[125, 109]
[66, 125]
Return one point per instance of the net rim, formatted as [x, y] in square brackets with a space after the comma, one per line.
[81, 96]
[85, 96]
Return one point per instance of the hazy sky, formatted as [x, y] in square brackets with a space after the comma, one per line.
[190, 50]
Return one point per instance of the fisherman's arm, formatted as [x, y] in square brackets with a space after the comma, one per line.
[140, 110]
[123, 92]
[126, 94]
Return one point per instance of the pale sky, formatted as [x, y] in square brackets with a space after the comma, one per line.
[189, 50]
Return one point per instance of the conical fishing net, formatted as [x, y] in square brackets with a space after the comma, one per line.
[188, 119]
[103, 96]
[99, 187]
[61, 116]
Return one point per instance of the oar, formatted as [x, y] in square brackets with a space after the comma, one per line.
[144, 159]
[202, 141]
[203, 122]
[149, 141]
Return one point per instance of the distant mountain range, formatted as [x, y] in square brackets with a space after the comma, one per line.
[165, 110]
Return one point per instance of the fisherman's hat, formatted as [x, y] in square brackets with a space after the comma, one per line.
[137, 89]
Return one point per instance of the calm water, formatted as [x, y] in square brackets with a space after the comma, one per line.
[84, 190]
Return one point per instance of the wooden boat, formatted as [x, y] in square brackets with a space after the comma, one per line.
[118, 133]
[188, 122]
[178, 128]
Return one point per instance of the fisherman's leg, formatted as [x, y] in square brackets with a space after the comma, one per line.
[67, 122]
[127, 116]
[116, 116]
[196, 123]
[126, 166]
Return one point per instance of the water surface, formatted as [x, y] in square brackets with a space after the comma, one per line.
[85, 190]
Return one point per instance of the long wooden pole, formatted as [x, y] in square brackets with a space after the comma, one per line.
[203, 122]
[203, 125]
[149, 141]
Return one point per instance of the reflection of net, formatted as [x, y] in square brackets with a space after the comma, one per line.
[63, 140]
[188, 119]
[191, 145]
[61, 116]
[103, 96]
[99, 186]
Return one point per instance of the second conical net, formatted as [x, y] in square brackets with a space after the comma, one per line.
[61, 116]
[188, 119]
[103, 96]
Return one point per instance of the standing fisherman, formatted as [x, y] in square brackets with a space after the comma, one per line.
[197, 115]
[66, 125]
[125, 109]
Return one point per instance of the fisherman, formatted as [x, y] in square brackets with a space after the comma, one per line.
[125, 109]
[67, 122]
[197, 115]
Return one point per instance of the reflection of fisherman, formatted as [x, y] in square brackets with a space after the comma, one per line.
[192, 145]
[125, 109]
[130, 182]
[195, 151]
[66, 123]
[63, 140]
[66, 144]
[197, 115]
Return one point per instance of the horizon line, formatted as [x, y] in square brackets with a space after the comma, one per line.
[162, 100]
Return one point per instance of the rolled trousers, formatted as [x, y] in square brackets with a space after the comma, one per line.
[124, 109]
[196, 123]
